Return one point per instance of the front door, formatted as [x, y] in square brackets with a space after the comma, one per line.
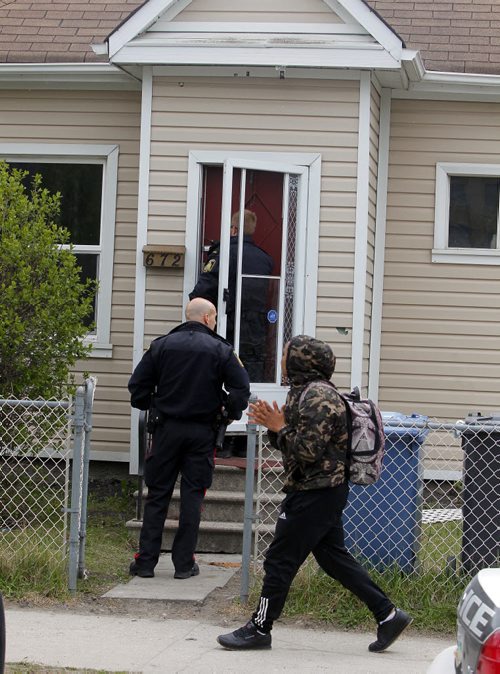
[252, 217]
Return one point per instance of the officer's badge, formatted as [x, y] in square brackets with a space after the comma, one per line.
[238, 359]
[210, 265]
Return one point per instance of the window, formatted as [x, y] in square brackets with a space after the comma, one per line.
[466, 228]
[86, 178]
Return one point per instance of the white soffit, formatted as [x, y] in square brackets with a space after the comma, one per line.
[151, 37]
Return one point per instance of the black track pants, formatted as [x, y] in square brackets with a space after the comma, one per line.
[311, 521]
[178, 447]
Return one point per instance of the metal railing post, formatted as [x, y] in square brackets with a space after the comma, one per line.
[89, 402]
[74, 533]
[249, 516]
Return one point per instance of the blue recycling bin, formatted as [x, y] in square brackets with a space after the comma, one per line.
[382, 522]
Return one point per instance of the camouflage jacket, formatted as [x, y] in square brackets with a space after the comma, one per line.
[314, 440]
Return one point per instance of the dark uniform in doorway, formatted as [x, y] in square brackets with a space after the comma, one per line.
[254, 300]
[186, 369]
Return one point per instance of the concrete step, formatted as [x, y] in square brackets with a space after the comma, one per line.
[224, 537]
[221, 529]
[225, 506]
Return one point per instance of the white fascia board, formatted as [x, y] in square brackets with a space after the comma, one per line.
[362, 14]
[65, 75]
[413, 65]
[453, 86]
[141, 20]
[256, 72]
[367, 58]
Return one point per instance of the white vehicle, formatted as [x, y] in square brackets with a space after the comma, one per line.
[478, 630]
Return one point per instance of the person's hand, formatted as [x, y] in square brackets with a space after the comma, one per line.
[261, 413]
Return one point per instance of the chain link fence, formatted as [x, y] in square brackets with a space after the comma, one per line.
[38, 440]
[434, 510]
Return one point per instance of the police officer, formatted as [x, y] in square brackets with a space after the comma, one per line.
[254, 300]
[186, 370]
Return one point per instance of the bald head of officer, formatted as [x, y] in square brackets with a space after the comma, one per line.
[201, 311]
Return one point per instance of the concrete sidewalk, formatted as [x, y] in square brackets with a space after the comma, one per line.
[161, 645]
[118, 643]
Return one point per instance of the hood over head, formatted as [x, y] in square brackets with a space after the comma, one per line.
[308, 359]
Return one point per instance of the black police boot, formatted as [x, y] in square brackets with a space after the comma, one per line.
[245, 638]
[182, 575]
[136, 569]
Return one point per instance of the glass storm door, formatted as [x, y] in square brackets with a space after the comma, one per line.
[256, 211]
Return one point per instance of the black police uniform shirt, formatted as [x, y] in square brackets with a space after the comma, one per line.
[188, 368]
[254, 291]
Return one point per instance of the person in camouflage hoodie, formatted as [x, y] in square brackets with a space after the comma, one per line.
[310, 430]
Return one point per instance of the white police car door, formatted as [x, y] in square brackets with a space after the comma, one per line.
[266, 309]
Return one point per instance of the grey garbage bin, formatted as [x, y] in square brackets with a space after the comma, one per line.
[481, 492]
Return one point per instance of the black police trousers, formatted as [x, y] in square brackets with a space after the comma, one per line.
[311, 521]
[185, 448]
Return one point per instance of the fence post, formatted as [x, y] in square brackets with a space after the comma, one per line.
[249, 516]
[76, 486]
[90, 385]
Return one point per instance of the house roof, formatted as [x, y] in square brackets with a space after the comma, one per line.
[451, 36]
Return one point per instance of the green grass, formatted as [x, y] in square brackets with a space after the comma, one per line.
[109, 546]
[29, 568]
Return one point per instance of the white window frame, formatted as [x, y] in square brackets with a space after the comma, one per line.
[107, 156]
[441, 253]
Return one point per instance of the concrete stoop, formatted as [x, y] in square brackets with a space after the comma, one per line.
[221, 528]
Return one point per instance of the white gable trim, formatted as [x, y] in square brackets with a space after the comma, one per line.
[367, 18]
[352, 11]
[142, 19]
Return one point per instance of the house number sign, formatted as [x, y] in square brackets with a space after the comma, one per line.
[163, 256]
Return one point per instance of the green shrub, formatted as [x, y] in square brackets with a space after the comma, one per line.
[43, 302]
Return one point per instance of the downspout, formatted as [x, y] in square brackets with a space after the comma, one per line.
[380, 229]
[142, 238]
[361, 237]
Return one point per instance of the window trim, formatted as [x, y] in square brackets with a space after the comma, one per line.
[440, 252]
[107, 155]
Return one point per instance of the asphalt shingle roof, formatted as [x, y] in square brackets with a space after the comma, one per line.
[454, 36]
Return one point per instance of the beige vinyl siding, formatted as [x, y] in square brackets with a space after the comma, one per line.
[441, 322]
[290, 11]
[94, 117]
[267, 116]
